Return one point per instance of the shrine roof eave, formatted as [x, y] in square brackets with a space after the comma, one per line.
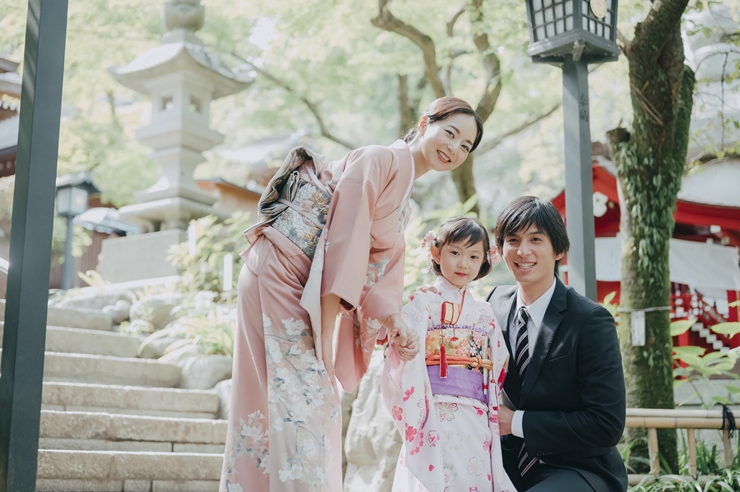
[686, 212]
[176, 57]
[727, 218]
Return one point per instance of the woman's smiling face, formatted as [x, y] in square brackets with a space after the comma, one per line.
[446, 143]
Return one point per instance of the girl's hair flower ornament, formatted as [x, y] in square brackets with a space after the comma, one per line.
[429, 239]
[493, 256]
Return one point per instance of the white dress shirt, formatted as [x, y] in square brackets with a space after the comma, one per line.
[536, 312]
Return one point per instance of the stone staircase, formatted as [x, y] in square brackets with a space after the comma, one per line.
[113, 422]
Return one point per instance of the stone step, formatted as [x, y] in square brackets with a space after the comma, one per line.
[114, 432]
[97, 471]
[87, 319]
[103, 369]
[131, 400]
[80, 341]
[46, 485]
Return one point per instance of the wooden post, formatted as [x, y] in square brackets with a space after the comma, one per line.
[653, 451]
[691, 445]
[728, 447]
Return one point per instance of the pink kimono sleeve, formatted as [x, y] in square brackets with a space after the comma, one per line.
[385, 297]
[347, 244]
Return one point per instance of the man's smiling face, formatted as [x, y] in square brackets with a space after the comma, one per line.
[530, 257]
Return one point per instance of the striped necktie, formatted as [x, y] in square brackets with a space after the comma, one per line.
[522, 362]
[521, 352]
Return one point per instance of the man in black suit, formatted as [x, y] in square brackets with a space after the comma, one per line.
[565, 385]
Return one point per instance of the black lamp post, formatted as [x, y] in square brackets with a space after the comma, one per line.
[571, 34]
[72, 192]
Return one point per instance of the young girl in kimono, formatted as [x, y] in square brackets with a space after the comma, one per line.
[445, 400]
[329, 240]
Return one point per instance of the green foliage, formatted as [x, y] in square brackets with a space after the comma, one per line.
[711, 477]
[92, 278]
[609, 305]
[727, 481]
[205, 329]
[681, 326]
[206, 317]
[728, 329]
[203, 270]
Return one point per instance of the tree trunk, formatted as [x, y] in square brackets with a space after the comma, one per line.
[465, 182]
[408, 118]
[650, 164]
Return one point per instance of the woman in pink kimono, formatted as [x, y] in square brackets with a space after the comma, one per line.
[445, 400]
[330, 241]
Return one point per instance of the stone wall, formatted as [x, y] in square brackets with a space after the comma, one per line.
[372, 444]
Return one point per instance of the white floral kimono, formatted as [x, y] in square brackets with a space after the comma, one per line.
[445, 401]
[285, 425]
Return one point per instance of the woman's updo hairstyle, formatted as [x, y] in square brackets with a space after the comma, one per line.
[443, 108]
[466, 230]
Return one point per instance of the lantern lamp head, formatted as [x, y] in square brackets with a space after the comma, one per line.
[582, 29]
[72, 193]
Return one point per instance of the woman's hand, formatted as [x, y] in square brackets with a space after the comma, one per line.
[405, 341]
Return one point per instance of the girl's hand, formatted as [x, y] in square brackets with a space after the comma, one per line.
[405, 341]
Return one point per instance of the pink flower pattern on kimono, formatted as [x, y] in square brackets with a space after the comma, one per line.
[459, 435]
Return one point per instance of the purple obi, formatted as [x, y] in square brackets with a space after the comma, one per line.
[459, 382]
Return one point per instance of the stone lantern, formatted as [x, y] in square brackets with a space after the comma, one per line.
[181, 78]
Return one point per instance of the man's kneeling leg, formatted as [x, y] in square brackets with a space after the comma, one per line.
[552, 479]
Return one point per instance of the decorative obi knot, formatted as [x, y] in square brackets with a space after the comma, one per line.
[462, 348]
[305, 216]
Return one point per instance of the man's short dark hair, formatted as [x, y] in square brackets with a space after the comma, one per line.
[521, 213]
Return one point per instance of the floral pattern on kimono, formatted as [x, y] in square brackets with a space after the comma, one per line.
[439, 431]
[297, 392]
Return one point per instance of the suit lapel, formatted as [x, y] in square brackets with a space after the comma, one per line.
[549, 327]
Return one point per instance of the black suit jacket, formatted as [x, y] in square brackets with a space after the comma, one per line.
[573, 393]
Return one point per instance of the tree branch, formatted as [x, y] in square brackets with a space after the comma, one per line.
[626, 43]
[453, 19]
[494, 142]
[325, 132]
[387, 21]
[653, 33]
[453, 53]
[491, 63]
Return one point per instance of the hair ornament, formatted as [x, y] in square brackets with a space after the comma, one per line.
[429, 239]
[493, 256]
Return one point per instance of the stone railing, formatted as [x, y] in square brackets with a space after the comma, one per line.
[654, 419]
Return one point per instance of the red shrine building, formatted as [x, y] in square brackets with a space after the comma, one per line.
[704, 258]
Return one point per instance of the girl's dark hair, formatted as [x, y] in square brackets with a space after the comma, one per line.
[443, 108]
[525, 211]
[467, 230]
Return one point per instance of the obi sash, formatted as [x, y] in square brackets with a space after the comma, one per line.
[295, 202]
[466, 352]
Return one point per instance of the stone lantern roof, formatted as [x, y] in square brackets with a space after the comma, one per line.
[181, 50]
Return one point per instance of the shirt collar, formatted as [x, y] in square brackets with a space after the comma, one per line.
[538, 308]
[449, 292]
